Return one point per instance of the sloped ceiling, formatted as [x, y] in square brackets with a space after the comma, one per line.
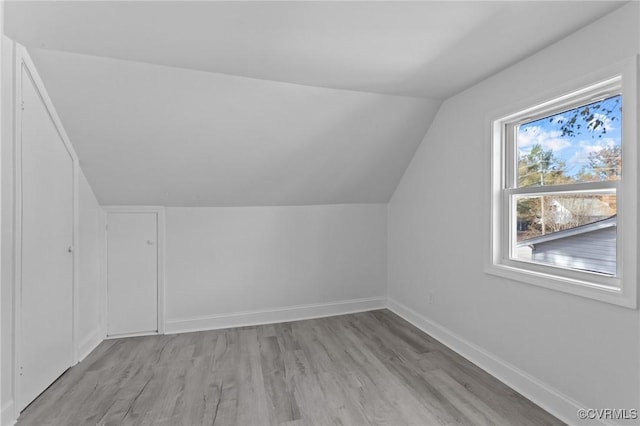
[149, 134]
[267, 103]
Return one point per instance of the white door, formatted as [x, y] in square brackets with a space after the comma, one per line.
[46, 299]
[132, 268]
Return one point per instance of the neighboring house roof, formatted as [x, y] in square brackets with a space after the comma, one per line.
[582, 229]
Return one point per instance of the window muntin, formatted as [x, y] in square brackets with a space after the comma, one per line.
[566, 167]
[619, 288]
[557, 188]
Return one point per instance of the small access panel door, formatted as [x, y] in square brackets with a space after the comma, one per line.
[132, 273]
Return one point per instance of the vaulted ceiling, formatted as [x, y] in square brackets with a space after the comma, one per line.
[267, 103]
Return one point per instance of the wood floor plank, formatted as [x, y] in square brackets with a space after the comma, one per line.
[370, 368]
[282, 403]
[360, 383]
[436, 406]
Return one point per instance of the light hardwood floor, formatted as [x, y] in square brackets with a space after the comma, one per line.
[359, 369]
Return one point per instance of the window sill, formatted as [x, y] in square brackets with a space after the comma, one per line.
[577, 287]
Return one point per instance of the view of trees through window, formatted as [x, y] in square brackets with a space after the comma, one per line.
[576, 146]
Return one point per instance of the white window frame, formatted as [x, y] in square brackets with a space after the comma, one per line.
[621, 289]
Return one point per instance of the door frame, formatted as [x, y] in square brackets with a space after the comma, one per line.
[160, 217]
[23, 62]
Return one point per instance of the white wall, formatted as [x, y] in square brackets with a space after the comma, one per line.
[587, 350]
[91, 283]
[224, 261]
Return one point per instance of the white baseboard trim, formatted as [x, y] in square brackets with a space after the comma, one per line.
[89, 343]
[137, 334]
[276, 315]
[7, 415]
[550, 399]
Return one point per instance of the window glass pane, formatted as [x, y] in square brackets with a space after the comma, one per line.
[578, 145]
[567, 230]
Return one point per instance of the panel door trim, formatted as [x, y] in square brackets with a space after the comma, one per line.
[25, 66]
[160, 216]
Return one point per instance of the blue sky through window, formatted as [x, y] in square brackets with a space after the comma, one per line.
[572, 142]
